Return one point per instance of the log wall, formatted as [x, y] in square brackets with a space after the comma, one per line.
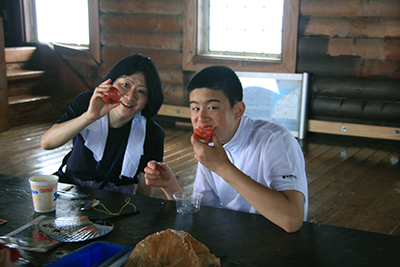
[152, 28]
[349, 47]
[352, 50]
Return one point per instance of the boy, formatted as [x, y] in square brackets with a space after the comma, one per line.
[253, 166]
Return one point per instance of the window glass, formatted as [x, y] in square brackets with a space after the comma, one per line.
[63, 21]
[250, 27]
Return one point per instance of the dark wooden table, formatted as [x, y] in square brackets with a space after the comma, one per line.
[239, 239]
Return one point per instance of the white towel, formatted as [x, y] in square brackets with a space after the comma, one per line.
[95, 136]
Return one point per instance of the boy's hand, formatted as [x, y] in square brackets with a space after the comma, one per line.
[213, 157]
[159, 174]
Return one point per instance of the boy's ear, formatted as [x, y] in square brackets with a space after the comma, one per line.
[239, 109]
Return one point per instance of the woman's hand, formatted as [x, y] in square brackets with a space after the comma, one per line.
[97, 107]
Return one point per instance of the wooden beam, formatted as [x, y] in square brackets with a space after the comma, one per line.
[342, 27]
[364, 48]
[350, 67]
[4, 109]
[352, 129]
[348, 8]
[94, 29]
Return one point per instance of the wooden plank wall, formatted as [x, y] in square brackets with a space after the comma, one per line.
[349, 47]
[152, 28]
[352, 50]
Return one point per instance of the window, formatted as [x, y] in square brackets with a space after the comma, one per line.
[55, 24]
[256, 34]
[51, 21]
[269, 28]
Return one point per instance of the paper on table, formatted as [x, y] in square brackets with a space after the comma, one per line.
[29, 237]
[64, 187]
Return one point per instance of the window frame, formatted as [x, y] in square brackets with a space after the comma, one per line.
[91, 55]
[194, 61]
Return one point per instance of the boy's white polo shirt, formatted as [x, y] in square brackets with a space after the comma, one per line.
[265, 151]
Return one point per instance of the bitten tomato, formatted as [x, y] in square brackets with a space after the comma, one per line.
[14, 253]
[204, 132]
[112, 96]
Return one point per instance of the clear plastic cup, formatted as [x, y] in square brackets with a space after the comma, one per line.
[44, 192]
[187, 202]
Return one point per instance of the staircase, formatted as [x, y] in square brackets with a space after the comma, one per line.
[34, 93]
[35, 84]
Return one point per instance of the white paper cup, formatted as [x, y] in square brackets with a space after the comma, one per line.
[187, 202]
[44, 192]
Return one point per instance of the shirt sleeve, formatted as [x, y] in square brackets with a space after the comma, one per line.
[287, 168]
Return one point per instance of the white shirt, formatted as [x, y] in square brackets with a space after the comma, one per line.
[265, 151]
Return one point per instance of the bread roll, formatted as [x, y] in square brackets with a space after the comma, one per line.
[171, 248]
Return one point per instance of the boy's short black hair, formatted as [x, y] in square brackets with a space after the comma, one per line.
[218, 78]
[137, 63]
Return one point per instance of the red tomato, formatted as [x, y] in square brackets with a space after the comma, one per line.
[204, 132]
[14, 253]
[112, 96]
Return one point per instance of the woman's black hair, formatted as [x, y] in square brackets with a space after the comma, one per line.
[218, 78]
[139, 64]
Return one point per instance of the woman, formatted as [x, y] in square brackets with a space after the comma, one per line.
[113, 141]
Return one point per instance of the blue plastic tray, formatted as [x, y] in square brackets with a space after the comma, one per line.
[94, 253]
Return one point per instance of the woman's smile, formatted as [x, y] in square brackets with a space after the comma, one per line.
[126, 104]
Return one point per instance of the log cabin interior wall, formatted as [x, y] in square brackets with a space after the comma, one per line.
[349, 47]
[151, 28]
[352, 49]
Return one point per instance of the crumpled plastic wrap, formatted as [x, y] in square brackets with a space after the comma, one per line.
[171, 248]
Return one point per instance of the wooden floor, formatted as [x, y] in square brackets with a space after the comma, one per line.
[353, 182]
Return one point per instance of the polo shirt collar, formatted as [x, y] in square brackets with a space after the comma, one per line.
[240, 137]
